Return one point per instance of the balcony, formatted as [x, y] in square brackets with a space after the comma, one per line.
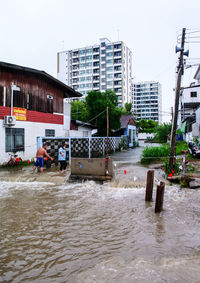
[75, 54]
[117, 46]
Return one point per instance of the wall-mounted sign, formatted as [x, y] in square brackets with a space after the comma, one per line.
[19, 113]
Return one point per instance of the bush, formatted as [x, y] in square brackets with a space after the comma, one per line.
[181, 145]
[176, 167]
[162, 132]
[154, 153]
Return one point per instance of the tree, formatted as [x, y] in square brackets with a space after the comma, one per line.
[128, 107]
[147, 126]
[96, 103]
[162, 132]
[79, 111]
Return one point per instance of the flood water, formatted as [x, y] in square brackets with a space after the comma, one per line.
[87, 232]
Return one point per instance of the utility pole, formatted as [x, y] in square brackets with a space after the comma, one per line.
[176, 103]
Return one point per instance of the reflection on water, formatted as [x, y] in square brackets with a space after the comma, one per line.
[96, 233]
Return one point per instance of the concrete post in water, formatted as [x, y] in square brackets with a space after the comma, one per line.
[149, 185]
[159, 197]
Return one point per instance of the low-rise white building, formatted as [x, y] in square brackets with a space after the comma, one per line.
[189, 104]
[32, 104]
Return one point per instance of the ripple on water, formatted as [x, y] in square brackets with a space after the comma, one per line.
[94, 233]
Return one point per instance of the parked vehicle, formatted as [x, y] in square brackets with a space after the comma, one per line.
[14, 160]
[193, 149]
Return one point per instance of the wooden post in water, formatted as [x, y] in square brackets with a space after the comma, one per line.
[159, 197]
[149, 185]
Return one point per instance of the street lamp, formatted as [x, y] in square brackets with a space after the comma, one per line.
[16, 88]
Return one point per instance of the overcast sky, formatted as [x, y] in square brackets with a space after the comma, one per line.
[33, 31]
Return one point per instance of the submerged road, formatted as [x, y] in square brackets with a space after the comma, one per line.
[54, 231]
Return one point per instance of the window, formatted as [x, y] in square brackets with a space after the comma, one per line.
[109, 69]
[110, 76]
[82, 51]
[96, 49]
[109, 83]
[193, 94]
[89, 64]
[49, 104]
[89, 57]
[89, 51]
[14, 139]
[49, 133]
[109, 47]
[110, 61]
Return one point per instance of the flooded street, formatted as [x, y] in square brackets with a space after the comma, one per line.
[54, 231]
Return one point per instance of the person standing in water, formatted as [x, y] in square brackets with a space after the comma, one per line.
[62, 157]
[40, 158]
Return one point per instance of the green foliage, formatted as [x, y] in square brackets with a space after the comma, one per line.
[181, 145]
[79, 111]
[154, 153]
[96, 103]
[176, 167]
[162, 132]
[128, 107]
[146, 126]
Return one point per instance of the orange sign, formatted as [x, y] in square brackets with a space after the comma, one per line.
[19, 113]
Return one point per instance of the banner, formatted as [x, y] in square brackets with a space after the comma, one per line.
[19, 113]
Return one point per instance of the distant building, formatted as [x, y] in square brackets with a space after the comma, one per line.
[107, 65]
[81, 129]
[147, 101]
[128, 129]
[39, 109]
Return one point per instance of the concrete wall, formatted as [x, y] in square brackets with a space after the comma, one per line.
[186, 98]
[90, 167]
[144, 136]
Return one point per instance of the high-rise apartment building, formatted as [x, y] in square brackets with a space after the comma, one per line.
[147, 101]
[104, 66]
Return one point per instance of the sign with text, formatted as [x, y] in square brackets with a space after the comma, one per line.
[19, 113]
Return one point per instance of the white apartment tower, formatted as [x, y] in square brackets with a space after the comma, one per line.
[105, 66]
[147, 101]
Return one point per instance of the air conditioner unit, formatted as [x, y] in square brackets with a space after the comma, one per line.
[9, 120]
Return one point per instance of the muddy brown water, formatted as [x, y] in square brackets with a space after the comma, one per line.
[54, 231]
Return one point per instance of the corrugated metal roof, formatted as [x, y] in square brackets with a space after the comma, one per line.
[70, 91]
[125, 120]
